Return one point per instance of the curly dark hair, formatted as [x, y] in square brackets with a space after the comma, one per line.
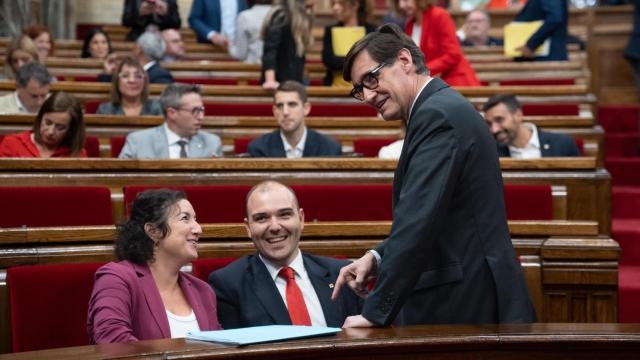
[152, 207]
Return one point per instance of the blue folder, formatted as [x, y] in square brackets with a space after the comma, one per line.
[261, 334]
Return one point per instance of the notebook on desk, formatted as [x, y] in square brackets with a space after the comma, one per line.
[261, 334]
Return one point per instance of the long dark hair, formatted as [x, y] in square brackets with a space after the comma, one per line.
[87, 39]
[149, 207]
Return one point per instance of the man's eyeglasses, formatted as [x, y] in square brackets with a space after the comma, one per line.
[369, 81]
[196, 111]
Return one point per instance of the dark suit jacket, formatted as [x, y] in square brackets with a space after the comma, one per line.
[159, 75]
[205, 17]
[551, 145]
[279, 50]
[317, 145]
[247, 296]
[448, 258]
[555, 16]
[131, 18]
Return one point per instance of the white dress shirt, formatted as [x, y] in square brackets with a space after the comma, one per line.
[531, 150]
[391, 151]
[172, 142]
[294, 153]
[304, 283]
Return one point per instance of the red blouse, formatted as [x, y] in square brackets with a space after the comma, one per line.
[441, 48]
[20, 145]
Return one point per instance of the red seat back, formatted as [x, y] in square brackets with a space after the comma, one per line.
[117, 143]
[345, 202]
[265, 109]
[241, 145]
[550, 109]
[49, 305]
[201, 268]
[369, 147]
[538, 82]
[91, 106]
[528, 202]
[92, 146]
[55, 206]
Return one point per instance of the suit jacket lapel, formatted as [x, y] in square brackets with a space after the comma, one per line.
[153, 299]
[267, 293]
[276, 145]
[311, 144]
[321, 280]
[196, 146]
[545, 144]
[161, 143]
[194, 300]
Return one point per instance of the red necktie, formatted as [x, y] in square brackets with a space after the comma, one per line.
[295, 302]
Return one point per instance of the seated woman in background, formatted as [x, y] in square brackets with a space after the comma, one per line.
[349, 13]
[286, 32]
[247, 45]
[19, 52]
[144, 295]
[57, 132]
[42, 39]
[130, 92]
[432, 29]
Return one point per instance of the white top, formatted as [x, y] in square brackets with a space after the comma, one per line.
[299, 149]
[247, 44]
[180, 325]
[531, 150]
[391, 151]
[416, 33]
[172, 142]
[304, 283]
[148, 65]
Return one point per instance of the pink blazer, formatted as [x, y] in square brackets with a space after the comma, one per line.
[441, 48]
[126, 306]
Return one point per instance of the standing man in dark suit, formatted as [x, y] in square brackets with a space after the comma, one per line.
[252, 290]
[448, 258]
[522, 140]
[555, 16]
[293, 139]
[214, 21]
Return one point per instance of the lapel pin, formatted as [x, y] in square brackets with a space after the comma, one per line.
[331, 286]
[546, 146]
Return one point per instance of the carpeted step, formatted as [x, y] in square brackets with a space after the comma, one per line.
[619, 118]
[622, 144]
[624, 170]
[627, 233]
[629, 294]
[625, 202]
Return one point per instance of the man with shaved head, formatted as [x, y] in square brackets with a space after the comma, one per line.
[279, 284]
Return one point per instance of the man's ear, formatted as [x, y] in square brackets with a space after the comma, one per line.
[301, 214]
[307, 108]
[518, 115]
[246, 227]
[404, 57]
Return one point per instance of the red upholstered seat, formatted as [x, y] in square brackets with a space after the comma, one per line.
[345, 202]
[241, 145]
[580, 144]
[92, 146]
[265, 109]
[629, 294]
[528, 202]
[538, 82]
[117, 143]
[55, 206]
[619, 118]
[624, 170]
[49, 304]
[85, 78]
[369, 147]
[338, 110]
[91, 106]
[201, 268]
[213, 204]
[622, 144]
[550, 109]
[206, 81]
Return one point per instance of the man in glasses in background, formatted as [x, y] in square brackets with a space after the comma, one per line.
[448, 258]
[180, 136]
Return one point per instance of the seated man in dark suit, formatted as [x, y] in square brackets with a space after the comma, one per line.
[476, 30]
[522, 140]
[280, 284]
[293, 139]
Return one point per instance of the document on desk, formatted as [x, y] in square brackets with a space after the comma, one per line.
[261, 334]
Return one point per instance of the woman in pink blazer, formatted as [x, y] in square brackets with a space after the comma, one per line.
[145, 295]
[438, 41]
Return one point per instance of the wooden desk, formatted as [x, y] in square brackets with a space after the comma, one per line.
[530, 341]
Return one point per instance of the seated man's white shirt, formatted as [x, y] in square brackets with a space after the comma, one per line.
[391, 151]
[172, 142]
[304, 283]
[148, 65]
[11, 104]
[294, 153]
[531, 150]
[181, 325]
